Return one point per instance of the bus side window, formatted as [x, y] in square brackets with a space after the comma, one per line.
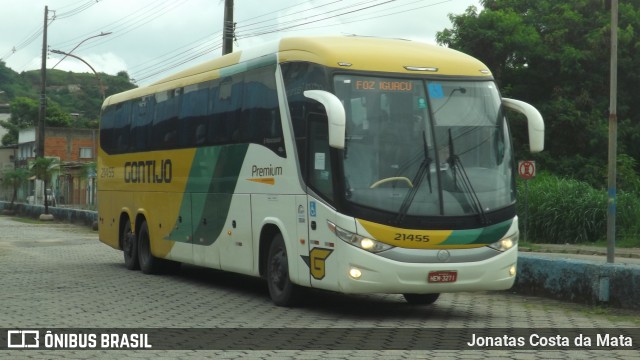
[320, 177]
[217, 132]
[193, 115]
[229, 106]
[107, 124]
[141, 119]
[298, 77]
[260, 113]
[122, 126]
[165, 124]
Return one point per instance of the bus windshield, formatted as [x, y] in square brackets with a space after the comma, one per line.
[425, 148]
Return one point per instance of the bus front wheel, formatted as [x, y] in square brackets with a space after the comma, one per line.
[421, 299]
[282, 291]
[130, 247]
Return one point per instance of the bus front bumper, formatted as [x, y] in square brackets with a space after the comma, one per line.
[363, 272]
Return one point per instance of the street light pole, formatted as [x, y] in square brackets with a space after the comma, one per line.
[613, 136]
[80, 43]
[42, 114]
[91, 67]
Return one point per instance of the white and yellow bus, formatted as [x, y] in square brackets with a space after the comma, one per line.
[350, 164]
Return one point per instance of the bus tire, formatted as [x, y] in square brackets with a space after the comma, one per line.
[282, 291]
[421, 299]
[149, 264]
[130, 247]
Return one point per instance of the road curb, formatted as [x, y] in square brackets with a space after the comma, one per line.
[74, 216]
[580, 281]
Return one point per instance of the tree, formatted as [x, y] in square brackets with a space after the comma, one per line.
[42, 168]
[24, 114]
[56, 117]
[123, 74]
[14, 179]
[555, 55]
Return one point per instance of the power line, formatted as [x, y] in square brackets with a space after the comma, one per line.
[363, 10]
[132, 21]
[272, 30]
[35, 35]
[384, 15]
[172, 60]
[287, 8]
[67, 14]
[180, 62]
[177, 58]
[179, 50]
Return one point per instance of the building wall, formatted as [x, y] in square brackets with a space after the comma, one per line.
[7, 156]
[66, 143]
[69, 184]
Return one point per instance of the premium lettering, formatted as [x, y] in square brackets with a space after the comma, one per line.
[266, 171]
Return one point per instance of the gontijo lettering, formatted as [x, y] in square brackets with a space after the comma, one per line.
[148, 171]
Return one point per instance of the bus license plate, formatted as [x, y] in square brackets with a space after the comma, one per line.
[442, 276]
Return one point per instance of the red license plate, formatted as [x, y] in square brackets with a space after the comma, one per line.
[443, 276]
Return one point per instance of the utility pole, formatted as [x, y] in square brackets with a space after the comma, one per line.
[43, 85]
[613, 135]
[228, 28]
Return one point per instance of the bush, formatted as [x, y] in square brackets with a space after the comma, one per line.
[565, 210]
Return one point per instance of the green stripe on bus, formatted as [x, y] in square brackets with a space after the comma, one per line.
[212, 181]
[242, 67]
[487, 235]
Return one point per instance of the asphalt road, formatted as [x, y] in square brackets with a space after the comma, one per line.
[60, 277]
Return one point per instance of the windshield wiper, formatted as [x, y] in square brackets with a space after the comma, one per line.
[417, 181]
[467, 187]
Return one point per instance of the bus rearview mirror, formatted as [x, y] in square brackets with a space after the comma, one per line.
[335, 114]
[534, 122]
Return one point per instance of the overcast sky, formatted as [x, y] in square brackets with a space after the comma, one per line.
[151, 39]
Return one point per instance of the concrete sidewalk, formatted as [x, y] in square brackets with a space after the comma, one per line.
[579, 273]
[584, 252]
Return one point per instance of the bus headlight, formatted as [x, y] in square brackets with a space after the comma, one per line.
[362, 242]
[506, 242]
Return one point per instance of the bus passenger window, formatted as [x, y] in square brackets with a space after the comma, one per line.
[227, 108]
[141, 118]
[166, 124]
[320, 176]
[122, 127]
[260, 113]
[193, 114]
[106, 129]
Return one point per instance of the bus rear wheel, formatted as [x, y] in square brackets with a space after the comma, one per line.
[130, 247]
[421, 299]
[282, 291]
[149, 264]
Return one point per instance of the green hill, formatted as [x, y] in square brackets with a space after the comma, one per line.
[74, 93]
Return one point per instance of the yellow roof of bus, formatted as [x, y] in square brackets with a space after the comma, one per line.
[362, 53]
[379, 54]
